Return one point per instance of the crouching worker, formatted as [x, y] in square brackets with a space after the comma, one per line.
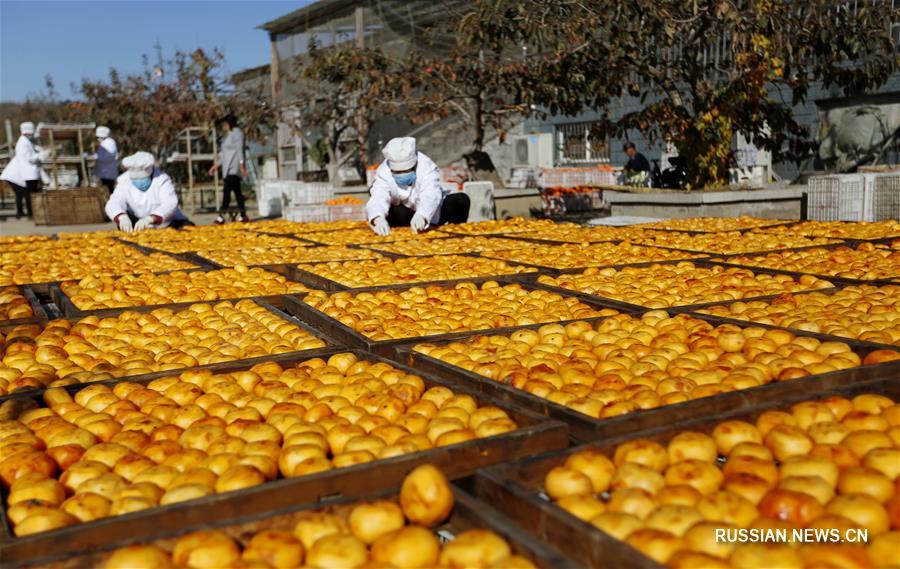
[144, 197]
[407, 192]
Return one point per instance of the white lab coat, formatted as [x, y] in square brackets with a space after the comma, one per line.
[107, 166]
[425, 196]
[160, 199]
[25, 165]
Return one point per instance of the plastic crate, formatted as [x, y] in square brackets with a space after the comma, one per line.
[271, 196]
[603, 178]
[886, 197]
[351, 212]
[554, 205]
[841, 197]
[481, 200]
[307, 213]
[564, 177]
[303, 193]
[521, 177]
[574, 177]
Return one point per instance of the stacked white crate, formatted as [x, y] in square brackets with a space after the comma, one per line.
[600, 177]
[351, 212]
[524, 177]
[839, 197]
[481, 200]
[886, 197]
[307, 193]
[306, 201]
[307, 213]
[271, 196]
[854, 197]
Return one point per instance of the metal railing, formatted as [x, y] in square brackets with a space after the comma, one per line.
[576, 145]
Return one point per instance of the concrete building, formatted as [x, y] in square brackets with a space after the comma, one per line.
[395, 25]
[392, 25]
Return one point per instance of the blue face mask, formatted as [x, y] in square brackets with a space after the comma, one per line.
[143, 184]
[405, 180]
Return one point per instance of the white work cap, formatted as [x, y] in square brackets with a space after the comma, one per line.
[102, 132]
[139, 165]
[400, 153]
[26, 128]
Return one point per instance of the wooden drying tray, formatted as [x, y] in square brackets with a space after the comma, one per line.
[468, 513]
[350, 337]
[536, 434]
[216, 367]
[584, 428]
[516, 489]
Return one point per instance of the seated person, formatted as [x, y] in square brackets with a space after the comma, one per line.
[144, 197]
[407, 192]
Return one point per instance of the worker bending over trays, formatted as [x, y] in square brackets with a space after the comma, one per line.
[407, 192]
[144, 197]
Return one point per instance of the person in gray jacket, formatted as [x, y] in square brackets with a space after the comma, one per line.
[231, 158]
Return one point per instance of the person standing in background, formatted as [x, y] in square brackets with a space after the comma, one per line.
[23, 173]
[106, 167]
[231, 158]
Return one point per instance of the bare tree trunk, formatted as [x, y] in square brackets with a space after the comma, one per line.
[362, 129]
[334, 160]
[479, 162]
[338, 158]
[362, 137]
[332, 168]
[478, 120]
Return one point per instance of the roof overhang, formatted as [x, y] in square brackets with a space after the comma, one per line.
[303, 18]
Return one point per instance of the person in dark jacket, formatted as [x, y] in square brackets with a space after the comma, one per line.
[637, 162]
[637, 170]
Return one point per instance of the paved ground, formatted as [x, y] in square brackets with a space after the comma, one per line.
[13, 226]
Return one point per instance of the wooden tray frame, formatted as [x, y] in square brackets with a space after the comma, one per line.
[515, 488]
[536, 434]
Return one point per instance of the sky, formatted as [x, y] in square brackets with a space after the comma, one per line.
[71, 39]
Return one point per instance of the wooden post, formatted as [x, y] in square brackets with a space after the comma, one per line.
[361, 115]
[94, 147]
[360, 28]
[53, 156]
[274, 72]
[10, 145]
[190, 170]
[84, 175]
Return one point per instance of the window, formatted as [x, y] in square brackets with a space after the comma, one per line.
[288, 154]
[576, 145]
[895, 27]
